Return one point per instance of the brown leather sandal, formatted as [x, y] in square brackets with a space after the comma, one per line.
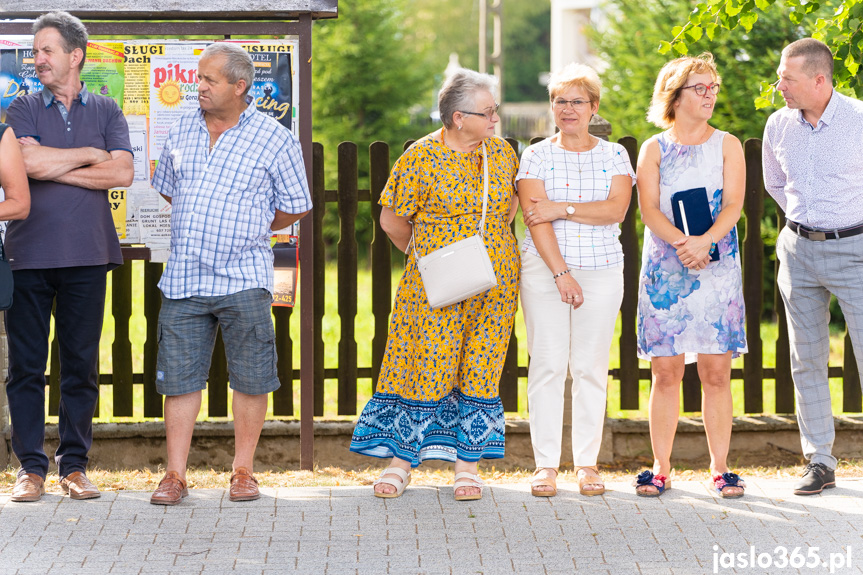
[544, 482]
[589, 476]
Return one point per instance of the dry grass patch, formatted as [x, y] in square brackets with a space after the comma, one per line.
[146, 480]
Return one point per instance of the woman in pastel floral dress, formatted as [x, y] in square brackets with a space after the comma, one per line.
[689, 307]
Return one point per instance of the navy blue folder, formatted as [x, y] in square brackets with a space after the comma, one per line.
[697, 210]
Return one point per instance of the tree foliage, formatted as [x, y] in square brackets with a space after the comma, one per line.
[837, 24]
[628, 44]
[365, 76]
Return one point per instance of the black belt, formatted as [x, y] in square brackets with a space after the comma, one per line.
[818, 236]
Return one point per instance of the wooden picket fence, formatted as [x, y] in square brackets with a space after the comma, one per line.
[346, 199]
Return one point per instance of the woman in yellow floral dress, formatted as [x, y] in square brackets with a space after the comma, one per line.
[437, 394]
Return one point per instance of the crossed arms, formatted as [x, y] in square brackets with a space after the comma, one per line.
[89, 168]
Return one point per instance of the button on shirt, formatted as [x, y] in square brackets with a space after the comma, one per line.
[224, 200]
[814, 172]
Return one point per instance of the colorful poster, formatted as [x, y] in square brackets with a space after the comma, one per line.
[173, 92]
[285, 270]
[136, 96]
[117, 199]
[17, 76]
[103, 71]
[273, 90]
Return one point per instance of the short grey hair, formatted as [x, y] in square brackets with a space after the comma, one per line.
[458, 93]
[238, 64]
[72, 31]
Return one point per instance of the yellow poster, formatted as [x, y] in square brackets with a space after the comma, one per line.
[117, 199]
[137, 94]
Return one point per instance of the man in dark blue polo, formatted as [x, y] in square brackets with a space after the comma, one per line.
[76, 146]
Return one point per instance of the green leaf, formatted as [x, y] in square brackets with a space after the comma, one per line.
[852, 64]
[795, 17]
[664, 47]
[675, 32]
[731, 9]
[812, 7]
[695, 33]
[710, 30]
[748, 20]
[762, 102]
[762, 4]
[680, 48]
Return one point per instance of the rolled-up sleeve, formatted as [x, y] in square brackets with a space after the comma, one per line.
[289, 180]
[164, 181]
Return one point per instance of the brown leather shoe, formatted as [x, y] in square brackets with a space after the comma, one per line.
[28, 487]
[79, 487]
[244, 486]
[171, 490]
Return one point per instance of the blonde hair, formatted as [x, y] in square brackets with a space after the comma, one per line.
[672, 78]
[575, 75]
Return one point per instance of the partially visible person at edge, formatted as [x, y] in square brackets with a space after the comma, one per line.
[76, 146]
[574, 190]
[437, 393]
[232, 175]
[812, 167]
[689, 307]
[13, 177]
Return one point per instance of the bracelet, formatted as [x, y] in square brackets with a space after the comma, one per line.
[555, 276]
[712, 241]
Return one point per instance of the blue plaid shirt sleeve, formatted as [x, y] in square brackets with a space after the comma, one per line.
[290, 182]
[163, 178]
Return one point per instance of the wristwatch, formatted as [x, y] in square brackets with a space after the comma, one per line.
[570, 209]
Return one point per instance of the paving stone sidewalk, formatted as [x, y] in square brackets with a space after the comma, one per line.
[344, 530]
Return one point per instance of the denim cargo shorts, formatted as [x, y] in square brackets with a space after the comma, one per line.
[187, 334]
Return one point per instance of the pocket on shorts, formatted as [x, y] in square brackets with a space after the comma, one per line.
[266, 364]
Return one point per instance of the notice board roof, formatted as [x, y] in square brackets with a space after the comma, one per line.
[173, 9]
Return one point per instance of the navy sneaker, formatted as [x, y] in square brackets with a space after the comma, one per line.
[816, 478]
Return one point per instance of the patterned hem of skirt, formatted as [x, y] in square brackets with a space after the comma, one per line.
[455, 427]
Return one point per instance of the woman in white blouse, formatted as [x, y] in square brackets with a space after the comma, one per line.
[574, 189]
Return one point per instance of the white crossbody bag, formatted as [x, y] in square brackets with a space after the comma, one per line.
[461, 269]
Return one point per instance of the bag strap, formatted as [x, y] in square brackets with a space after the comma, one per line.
[484, 190]
[484, 202]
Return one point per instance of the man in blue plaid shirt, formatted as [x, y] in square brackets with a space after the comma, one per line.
[232, 175]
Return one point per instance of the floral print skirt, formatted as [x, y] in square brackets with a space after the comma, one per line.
[681, 311]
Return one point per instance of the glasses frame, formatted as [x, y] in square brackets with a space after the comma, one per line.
[486, 115]
[714, 88]
[562, 104]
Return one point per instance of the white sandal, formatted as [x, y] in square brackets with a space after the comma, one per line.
[398, 484]
[465, 479]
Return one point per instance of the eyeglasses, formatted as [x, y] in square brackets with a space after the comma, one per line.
[701, 89]
[562, 104]
[487, 115]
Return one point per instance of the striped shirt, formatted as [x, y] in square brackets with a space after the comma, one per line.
[814, 173]
[224, 201]
[578, 177]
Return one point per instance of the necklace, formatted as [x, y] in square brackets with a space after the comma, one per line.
[591, 145]
[698, 141]
[580, 165]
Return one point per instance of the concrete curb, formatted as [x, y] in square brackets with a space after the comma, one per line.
[754, 439]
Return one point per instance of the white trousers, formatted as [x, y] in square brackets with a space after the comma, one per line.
[558, 338]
